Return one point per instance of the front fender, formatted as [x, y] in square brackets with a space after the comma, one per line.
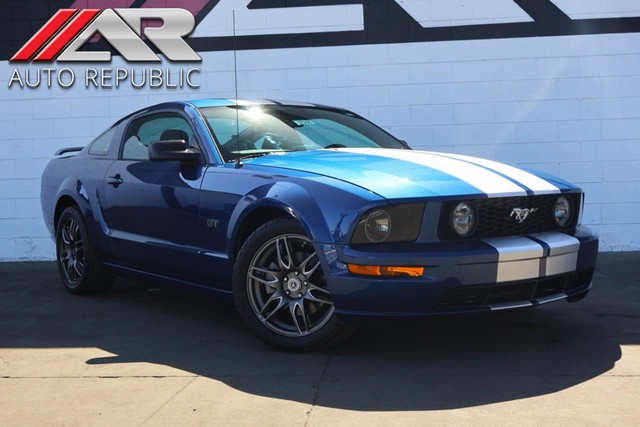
[288, 197]
[326, 208]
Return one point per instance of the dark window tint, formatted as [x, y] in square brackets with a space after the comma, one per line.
[157, 127]
[100, 146]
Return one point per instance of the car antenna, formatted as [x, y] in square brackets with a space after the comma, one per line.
[235, 81]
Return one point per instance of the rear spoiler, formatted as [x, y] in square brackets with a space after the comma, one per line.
[62, 151]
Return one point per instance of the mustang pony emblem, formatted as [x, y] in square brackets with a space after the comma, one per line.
[522, 214]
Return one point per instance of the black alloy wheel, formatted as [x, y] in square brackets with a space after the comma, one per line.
[79, 266]
[280, 288]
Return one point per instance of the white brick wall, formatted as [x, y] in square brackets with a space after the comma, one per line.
[442, 13]
[566, 105]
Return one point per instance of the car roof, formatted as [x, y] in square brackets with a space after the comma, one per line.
[224, 102]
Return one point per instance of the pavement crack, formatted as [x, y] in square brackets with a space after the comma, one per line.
[317, 393]
[150, 417]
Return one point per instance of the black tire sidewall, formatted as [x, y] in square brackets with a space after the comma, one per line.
[255, 241]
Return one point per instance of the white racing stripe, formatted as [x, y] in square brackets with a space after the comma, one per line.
[521, 258]
[559, 243]
[488, 182]
[563, 252]
[518, 258]
[529, 180]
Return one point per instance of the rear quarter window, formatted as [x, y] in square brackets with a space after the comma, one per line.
[100, 146]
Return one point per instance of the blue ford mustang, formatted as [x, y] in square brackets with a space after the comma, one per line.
[307, 214]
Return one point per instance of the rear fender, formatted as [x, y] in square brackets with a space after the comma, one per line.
[74, 188]
[88, 201]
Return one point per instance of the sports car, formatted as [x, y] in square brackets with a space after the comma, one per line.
[309, 216]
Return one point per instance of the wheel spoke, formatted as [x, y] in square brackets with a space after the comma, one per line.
[313, 287]
[310, 297]
[265, 271]
[77, 268]
[80, 265]
[281, 303]
[281, 263]
[303, 265]
[66, 235]
[65, 263]
[272, 284]
[75, 231]
[69, 267]
[293, 308]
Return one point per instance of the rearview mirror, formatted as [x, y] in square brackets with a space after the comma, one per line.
[174, 149]
[405, 143]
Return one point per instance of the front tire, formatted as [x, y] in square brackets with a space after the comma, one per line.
[79, 266]
[280, 289]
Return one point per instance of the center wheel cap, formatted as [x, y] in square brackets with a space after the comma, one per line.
[294, 284]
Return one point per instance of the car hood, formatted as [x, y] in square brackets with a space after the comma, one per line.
[393, 173]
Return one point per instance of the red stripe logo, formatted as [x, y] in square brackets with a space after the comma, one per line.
[62, 37]
[45, 33]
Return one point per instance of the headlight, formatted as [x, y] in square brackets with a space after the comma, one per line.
[464, 219]
[562, 211]
[377, 226]
[398, 223]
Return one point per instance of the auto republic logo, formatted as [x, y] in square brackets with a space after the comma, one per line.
[63, 37]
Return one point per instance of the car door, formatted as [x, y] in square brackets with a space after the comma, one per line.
[153, 205]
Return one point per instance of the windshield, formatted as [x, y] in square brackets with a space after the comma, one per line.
[263, 129]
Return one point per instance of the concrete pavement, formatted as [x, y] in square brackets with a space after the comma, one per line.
[143, 355]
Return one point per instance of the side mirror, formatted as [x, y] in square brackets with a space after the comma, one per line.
[175, 149]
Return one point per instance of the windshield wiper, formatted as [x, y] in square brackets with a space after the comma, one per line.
[238, 160]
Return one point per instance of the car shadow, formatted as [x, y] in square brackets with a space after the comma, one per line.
[386, 365]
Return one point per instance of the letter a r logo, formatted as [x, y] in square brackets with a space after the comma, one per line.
[69, 29]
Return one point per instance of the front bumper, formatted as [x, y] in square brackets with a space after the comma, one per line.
[479, 275]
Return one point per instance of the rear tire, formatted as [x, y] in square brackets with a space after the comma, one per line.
[280, 289]
[79, 265]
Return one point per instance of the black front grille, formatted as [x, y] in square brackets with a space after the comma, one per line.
[482, 295]
[495, 216]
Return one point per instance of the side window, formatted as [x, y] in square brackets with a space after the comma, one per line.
[100, 146]
[157, 127]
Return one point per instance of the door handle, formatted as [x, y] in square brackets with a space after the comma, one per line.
[115, 180]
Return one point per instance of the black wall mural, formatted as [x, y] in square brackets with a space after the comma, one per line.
[385, 21]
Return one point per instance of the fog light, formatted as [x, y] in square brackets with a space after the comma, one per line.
[562, 211]
[463, 219]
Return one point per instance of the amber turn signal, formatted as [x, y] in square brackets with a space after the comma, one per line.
[385, 270]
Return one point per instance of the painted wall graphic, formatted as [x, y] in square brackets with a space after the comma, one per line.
[552, 85]
[272, 24]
